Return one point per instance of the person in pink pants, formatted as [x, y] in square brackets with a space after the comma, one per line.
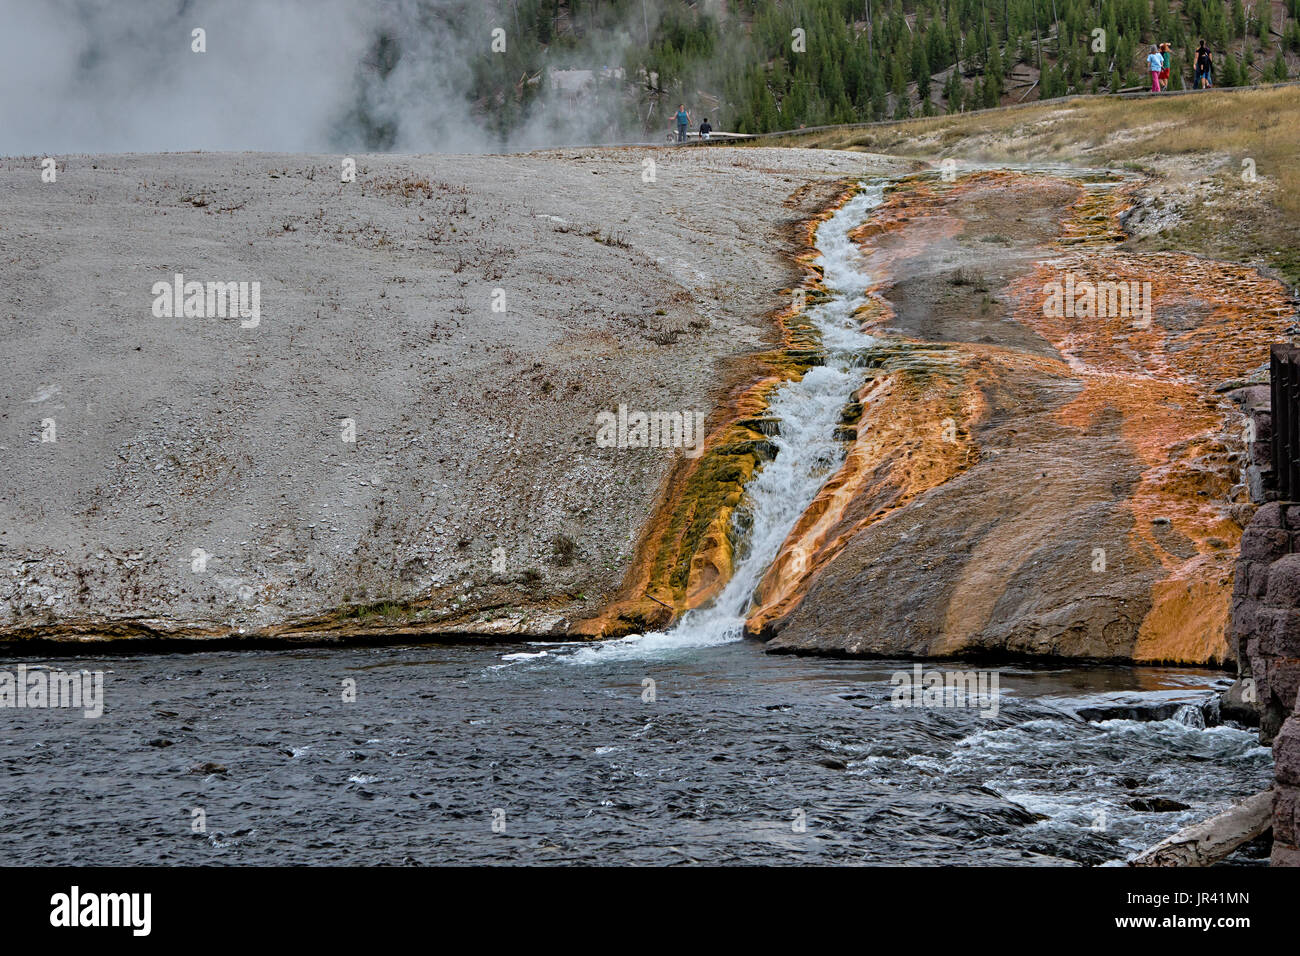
[1155, 63]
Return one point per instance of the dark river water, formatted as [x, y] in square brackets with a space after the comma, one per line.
[456, 755]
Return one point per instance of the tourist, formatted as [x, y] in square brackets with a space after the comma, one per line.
[1155, 63]
[683, 121]
[705, 129]
[1204, 68]
[1166, 58]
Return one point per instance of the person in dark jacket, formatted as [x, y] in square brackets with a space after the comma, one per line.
[1204, 68]
[705, 129]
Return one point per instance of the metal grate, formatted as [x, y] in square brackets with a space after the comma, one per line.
[1284, 387]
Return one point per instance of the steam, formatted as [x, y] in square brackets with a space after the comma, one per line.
[285, 76]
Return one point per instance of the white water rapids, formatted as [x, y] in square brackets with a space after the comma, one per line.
[807, 452]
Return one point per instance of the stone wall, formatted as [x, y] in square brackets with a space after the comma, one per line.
[1264, 633]
[1286, 807]
[1265, 623]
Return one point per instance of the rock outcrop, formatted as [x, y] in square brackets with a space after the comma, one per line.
[1266, 631]
[1088, 498]
[1265, 624]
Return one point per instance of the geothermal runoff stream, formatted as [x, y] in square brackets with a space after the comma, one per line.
[688, 745]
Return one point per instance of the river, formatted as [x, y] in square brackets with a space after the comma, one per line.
[588, 769]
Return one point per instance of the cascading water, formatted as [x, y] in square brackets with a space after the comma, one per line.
[807, 452]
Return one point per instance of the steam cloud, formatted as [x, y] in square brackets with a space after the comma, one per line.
[284, 75]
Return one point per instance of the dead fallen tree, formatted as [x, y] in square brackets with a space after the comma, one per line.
[1208, 842]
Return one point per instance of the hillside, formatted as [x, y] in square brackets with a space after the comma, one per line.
[396, 446]
[764, 65]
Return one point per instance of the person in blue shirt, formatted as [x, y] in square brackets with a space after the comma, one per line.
[683, 121]
[1155, 63]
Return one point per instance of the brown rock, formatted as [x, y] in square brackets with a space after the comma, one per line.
[208, 768]
[1241, 580]
[1260, 454]
[1238, 702]
[1260, 482]
[1286, 753]
[1241, 512]
[1253, 398]
[1282, 675]
[1278, 630]
[1263, 543]
[1258, 583]
[1272, 716]
[1286, 815]
[1156, 805]
[1284, 855]
[1242, 624]
[1269, 516]
[1250, 580]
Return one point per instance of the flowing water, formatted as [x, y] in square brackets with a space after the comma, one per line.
[807, 452]
[689, 745]
[587, 769]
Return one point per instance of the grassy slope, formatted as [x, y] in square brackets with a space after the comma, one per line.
[1193, 145]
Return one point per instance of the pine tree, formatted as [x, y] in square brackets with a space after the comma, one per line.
[879, 98]
[921, 72]
[1227, 73]
[991, 91]
[993, 79]
[953, 91]
[897, 81]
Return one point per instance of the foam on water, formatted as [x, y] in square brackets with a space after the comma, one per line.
[807, 451]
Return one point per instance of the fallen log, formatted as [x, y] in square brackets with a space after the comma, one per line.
[1209, 841]
[659, 602]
